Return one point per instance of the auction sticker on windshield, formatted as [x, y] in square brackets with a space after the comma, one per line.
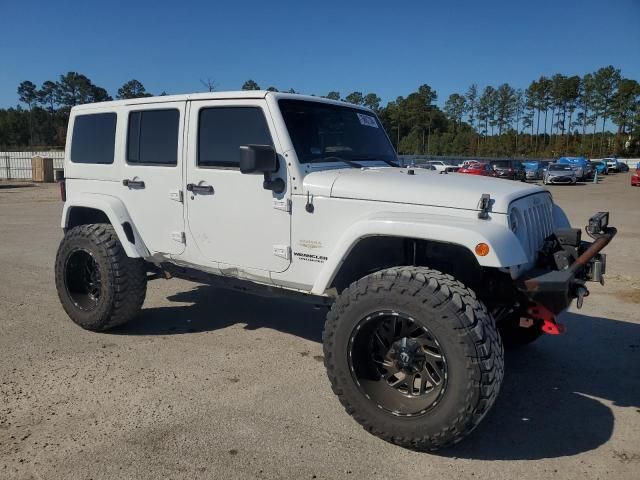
[367, 120]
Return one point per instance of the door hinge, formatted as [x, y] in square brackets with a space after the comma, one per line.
[282, 251]
[284, 204]
[176, 195]
[179, 237]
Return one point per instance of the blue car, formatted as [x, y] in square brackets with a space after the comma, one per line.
[600, 167]
[580, 165]
[533, 170]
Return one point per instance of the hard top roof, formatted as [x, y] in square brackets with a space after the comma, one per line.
[240, 95]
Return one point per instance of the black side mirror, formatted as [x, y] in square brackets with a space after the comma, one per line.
[258, 159]
[262, 159]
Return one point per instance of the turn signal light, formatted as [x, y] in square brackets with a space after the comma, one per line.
[482, 249]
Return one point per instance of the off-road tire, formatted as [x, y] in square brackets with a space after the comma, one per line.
[466, 332]
[124, 281]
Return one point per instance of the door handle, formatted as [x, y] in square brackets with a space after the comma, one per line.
[192, 187]
[133, 183]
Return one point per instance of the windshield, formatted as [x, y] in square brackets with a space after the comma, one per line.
[559, 168]
[322, 132]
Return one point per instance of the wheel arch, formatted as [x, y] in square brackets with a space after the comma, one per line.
[93, 208]
[374, 244]
[374, 253]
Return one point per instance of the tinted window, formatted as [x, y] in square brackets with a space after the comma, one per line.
[327, 132]
[93, 138]
[222, 130]
[153, 137]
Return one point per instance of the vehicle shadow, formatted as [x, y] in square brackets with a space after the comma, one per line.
[544, 409]
[212, 308]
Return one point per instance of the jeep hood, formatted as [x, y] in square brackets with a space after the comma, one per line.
[425, 187]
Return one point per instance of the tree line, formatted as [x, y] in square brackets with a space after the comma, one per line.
[554, 115]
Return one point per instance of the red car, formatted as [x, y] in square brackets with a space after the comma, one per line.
[483, 169]
[635, 179]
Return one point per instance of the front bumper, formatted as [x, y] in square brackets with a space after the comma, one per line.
[560, 179]
[566, 263]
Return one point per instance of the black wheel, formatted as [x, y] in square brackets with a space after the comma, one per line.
[98, 285]
[513, 335]
[413, 356]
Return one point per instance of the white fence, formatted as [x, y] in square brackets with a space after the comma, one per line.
[17, 165]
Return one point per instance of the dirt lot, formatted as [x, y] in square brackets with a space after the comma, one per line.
[217, 384]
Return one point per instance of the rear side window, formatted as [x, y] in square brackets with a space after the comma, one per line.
[222, 130]
[93, 138]
[153, 137]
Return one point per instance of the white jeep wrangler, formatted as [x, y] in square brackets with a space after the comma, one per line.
[426, 274]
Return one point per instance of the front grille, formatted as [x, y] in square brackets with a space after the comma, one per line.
[561, 179]
[538, 220]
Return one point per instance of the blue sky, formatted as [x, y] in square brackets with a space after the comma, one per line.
[389, 47]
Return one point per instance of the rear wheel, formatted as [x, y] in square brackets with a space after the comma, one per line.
[98, 285]
[413, 356]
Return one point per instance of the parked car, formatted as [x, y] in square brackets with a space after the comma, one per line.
[533, 170]
[477, 168]
[424, 166]
[443, 166]
[439, 165]
[623, 167]
[466, 163]
[510, 169]
[635, 178]
[560, 173]
[600, 167]
[580, 165]
[612, 164]
[452, 165]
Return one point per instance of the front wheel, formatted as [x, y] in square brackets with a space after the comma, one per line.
[98, 285]
[413, 356]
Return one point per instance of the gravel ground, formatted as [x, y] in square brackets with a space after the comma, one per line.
[217, 384]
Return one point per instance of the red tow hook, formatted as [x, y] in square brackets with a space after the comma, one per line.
[549, 324]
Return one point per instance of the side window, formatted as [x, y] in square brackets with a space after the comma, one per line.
[222, 130]
[93, 139]
[152, 137]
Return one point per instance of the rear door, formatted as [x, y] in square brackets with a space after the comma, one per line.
[152, 174]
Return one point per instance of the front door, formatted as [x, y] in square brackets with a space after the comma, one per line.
[232, 218]
[152, 174]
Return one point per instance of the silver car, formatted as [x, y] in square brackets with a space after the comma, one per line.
[559, 173]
